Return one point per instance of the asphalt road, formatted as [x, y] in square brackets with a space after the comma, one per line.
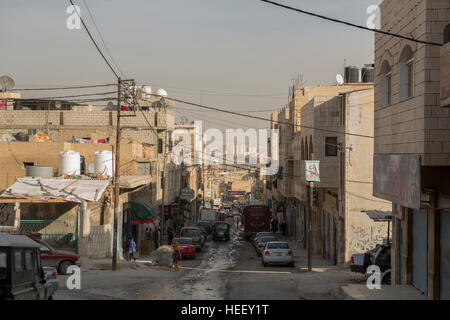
[222, 270]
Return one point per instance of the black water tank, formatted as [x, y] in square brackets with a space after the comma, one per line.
[367, 75]
[351, 75]
[82, 165]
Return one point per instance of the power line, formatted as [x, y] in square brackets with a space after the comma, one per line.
[263, 119]
[75, 96]
[66, 88]
[93, 41]
[101, 38]
[349, 23]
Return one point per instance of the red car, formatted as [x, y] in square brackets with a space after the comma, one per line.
[187, 247]
[58, 259]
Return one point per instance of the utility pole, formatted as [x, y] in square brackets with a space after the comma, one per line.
[179, 196]
[309, 241]
[116, 177]
[163, 181]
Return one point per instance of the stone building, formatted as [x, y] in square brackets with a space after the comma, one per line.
[412, 140]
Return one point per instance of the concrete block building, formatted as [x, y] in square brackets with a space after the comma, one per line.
[412, 134]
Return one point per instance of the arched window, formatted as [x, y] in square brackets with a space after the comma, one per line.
[447, 34]
[311, 150]
[386, 83]
[406, 73]
[306, 149]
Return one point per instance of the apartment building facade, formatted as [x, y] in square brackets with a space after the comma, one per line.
[412, 140]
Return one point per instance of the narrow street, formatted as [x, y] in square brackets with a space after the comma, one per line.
[222, 270]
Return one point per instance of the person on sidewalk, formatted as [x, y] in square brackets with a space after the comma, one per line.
[156, 238]
[132, 249]
[126, 247]
[176, 256]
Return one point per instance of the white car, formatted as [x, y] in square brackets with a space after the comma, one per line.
[277, 252]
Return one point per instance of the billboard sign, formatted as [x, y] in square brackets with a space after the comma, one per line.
[396, 178]
[312, 171]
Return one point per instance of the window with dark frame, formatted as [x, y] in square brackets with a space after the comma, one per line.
[331, 146]
[160, 146]
[18, 261]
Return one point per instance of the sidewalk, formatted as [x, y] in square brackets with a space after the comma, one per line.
[361, 292]
[106, 263]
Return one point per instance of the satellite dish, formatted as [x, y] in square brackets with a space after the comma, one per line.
[161, 92]
[339, 79]
[184, 120]
[7, 82]
[58, 104]
[110, 105]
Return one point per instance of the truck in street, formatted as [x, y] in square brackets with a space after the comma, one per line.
[256, 218]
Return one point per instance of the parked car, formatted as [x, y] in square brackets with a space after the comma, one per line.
[380, 256]
[254, 240]
[277, 253]
[206, 225]
[221, 230]
[186, 246]
[51, 276]
[21, 274]
[262, 242]
[195, 234]
[58, 259]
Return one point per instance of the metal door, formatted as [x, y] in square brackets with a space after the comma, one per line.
[420, 250]
[445, 255]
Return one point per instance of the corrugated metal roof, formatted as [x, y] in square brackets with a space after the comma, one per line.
[8, 240]
[378, 215]
[72, 190]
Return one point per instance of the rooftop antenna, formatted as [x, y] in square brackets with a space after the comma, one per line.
[7, 83]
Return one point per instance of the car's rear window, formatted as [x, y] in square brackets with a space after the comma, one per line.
[221, 226]
[183, 241]
[206, 224]
[277, 246]
[268, 239]
[189, 232]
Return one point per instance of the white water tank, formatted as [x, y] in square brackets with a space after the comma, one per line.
[69, 163]
[103, 163]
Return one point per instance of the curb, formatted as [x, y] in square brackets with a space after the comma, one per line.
[344, 294]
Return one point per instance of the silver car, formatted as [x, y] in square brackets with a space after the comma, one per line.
[260, 245]
[51, 277]
[277, 253]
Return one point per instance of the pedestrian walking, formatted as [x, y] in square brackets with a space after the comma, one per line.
[131, 249]
[176, 256]
[126, 248]
[156, 237]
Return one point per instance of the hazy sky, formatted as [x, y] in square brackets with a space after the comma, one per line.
[242, 47]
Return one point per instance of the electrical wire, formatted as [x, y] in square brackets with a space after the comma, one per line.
[102, 39]
[262, 119]
[93, 41]
[66, 88]
[349, 23]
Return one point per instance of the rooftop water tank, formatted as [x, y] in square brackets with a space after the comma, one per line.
[37, 171]
[367, 75]
[351, 75]
[103, 163]
[69, 163]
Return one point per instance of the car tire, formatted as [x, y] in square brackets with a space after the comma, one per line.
[62, 268]
[387, 279]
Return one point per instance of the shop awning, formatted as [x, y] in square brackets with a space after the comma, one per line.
[142, 212]
[378, 215]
